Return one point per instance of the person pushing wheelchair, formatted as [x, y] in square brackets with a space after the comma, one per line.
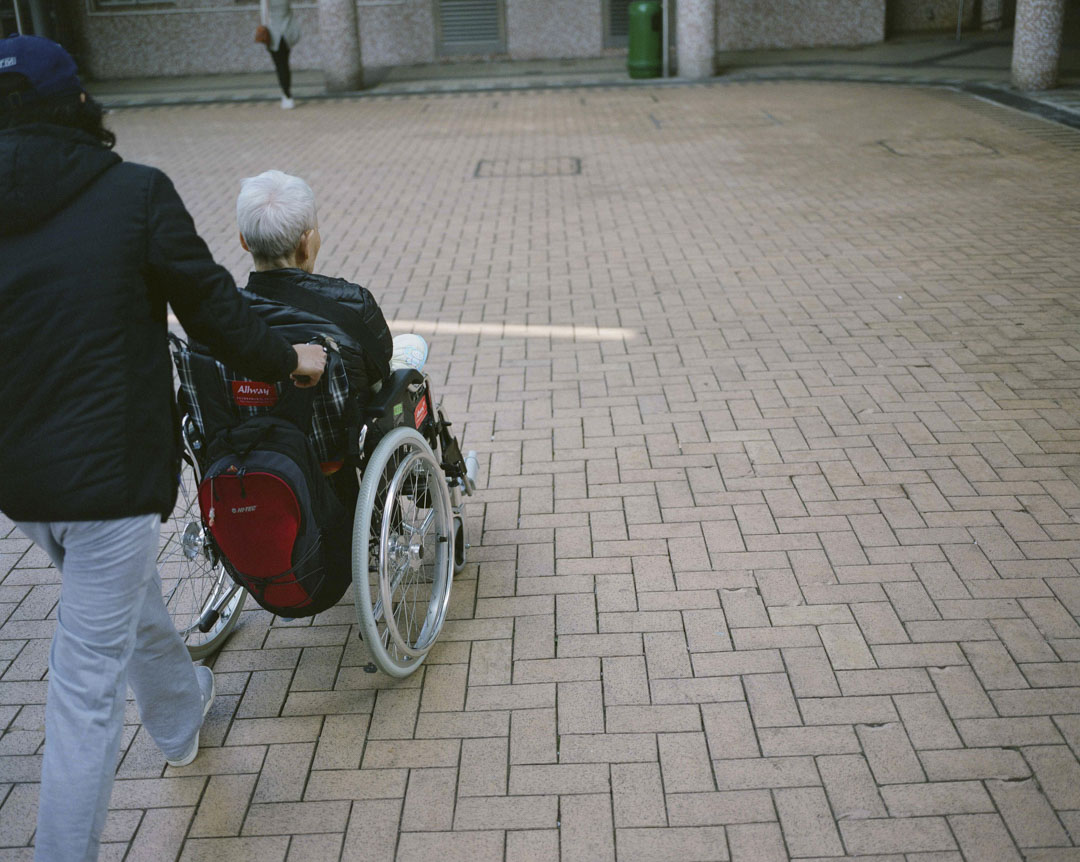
[93, 248]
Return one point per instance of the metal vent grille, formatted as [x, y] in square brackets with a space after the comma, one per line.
[1040, 118]
[1044, 129]
[616, 23]
[619, 19]
[470, 25]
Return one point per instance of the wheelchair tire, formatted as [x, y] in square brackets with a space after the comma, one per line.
[403, 555]
[192, 578]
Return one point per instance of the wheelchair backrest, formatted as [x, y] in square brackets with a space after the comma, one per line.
[217, 398]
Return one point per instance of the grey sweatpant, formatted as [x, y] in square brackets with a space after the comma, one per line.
[112, 630]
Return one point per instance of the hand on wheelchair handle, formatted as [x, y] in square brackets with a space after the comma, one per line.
[311, 362]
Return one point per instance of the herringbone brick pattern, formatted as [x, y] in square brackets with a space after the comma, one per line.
[775, 390]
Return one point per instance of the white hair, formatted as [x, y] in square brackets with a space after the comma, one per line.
[273, 211]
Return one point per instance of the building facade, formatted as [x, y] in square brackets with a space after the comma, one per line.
[137, 38]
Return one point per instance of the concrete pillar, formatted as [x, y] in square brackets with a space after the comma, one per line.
[1037, 43]
[39, 17]
[695, 38]
[341, 45]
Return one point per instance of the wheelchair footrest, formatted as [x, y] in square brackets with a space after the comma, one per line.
[471, 468]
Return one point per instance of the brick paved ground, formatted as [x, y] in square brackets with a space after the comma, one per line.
[775, 389]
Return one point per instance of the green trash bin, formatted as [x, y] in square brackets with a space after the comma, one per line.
[645, 57]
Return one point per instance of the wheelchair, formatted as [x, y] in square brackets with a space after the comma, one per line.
[408, 531]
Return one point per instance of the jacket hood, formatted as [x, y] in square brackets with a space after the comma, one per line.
[42, 167]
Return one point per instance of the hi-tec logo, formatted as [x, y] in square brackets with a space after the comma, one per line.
[5, 62]
[241, 510]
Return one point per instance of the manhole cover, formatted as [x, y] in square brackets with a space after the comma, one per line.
[938, 147]
[565, 166]
[670, 121]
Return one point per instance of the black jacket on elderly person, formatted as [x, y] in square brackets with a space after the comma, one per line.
[364, 367]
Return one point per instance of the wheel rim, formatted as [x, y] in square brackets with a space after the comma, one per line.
[402, 485]
[388, 490]
[415, 531]
[192, 576]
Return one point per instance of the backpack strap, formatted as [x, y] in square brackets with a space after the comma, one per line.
[245, 437]
[347, 319]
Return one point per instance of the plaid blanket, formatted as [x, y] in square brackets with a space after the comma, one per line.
[329, 427]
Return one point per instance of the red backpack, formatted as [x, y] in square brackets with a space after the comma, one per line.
[281, 530]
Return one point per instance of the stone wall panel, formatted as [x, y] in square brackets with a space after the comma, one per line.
[743, 25]
[195, 42]
[397, 33]
[914, 16]
[188, 40]
[554, 29]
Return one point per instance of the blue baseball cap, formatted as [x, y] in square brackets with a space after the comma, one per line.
[49, 71]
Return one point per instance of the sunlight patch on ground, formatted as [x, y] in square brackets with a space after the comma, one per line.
[571, 332]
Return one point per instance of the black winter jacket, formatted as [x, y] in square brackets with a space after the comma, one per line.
[363, 366]
[91, 250]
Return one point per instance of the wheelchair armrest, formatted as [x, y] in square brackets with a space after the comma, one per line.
[381, 403]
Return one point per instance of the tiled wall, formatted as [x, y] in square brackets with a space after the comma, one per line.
[909, 16]
[195, 37]
[191, 42]
[747, 24]
[554, 29]
[397, 33]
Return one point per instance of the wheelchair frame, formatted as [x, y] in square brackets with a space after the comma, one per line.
[411, 481]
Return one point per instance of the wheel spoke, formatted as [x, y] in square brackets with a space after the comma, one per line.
[424, 527]
[192, 577]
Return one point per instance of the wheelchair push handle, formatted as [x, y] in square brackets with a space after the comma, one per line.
[311, 359]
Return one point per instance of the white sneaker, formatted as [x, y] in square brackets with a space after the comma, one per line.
[410, 351]
[287, 104]
[205, 677]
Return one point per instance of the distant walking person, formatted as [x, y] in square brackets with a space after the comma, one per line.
[277, 17]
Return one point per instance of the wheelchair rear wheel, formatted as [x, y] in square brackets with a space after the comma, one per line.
[193, 579]
[403, 552]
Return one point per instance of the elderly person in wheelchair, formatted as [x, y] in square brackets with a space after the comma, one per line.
[381, 445]
[279, 226]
